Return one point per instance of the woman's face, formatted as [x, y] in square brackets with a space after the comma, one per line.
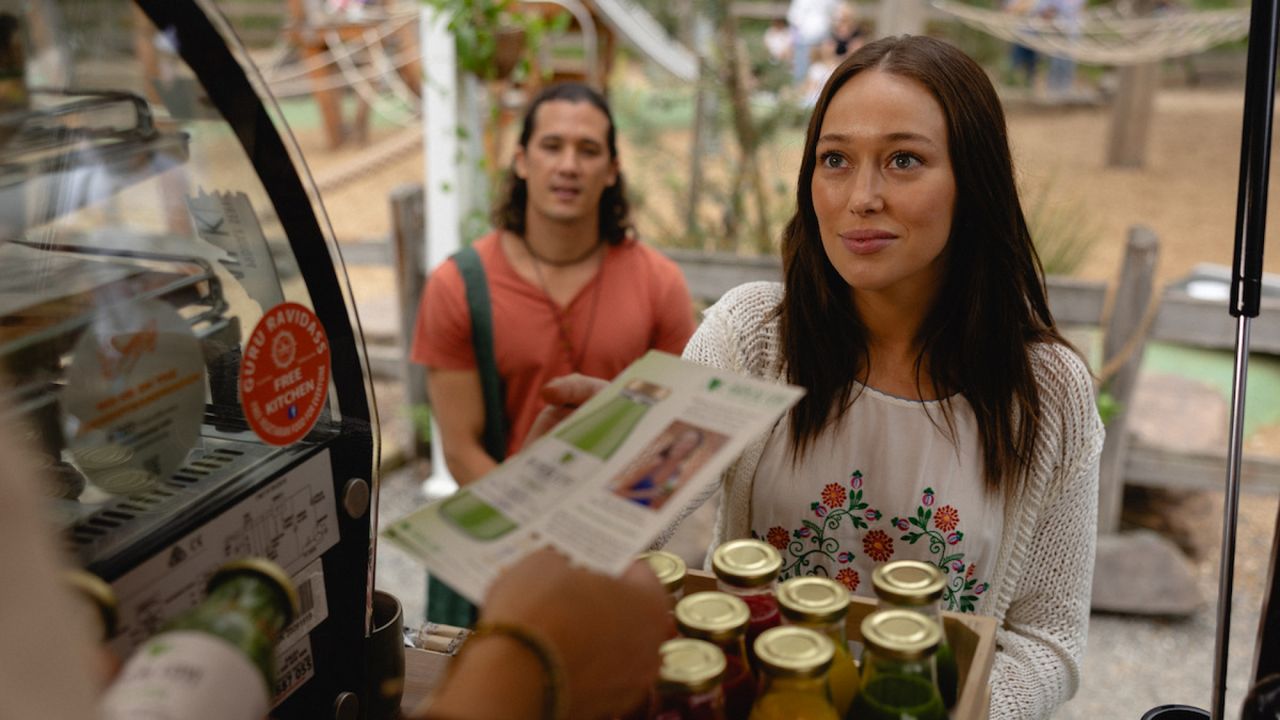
[883, 188]
[685, 444]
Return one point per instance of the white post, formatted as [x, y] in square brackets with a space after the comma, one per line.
[443, 185]
[901, 17]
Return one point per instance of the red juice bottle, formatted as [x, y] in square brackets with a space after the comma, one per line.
[749, 569]
[689, 681]
[722, 619]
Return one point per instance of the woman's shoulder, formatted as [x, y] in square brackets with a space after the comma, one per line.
[748, 304]
[1066, 392]
[1058, 366]
[739, 332]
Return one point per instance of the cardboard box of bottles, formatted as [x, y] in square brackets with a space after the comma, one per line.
[972, 637]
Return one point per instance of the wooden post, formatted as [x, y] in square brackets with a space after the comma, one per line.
[1131, 116]
[408, 227]
[1133, 295]
[1134, 103]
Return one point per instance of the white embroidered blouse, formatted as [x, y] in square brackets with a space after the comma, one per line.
[885, 483]
[1041, 577]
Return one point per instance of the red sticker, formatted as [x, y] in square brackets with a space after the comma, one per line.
[284, 374]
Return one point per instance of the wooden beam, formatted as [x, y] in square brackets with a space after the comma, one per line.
[408, 223]
[1182, 469]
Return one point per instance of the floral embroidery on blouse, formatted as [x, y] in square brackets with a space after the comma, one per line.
[809, 544]
[805, 549]
[962, 590]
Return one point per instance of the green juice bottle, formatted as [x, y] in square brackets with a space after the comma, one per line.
[214, 661]
[918, 586]
[899, 675]
[602, 431]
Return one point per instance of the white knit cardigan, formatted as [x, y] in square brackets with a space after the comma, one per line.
[1040, 587]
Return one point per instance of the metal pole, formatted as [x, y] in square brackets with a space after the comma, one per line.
[1230, 512]
[1246, 293]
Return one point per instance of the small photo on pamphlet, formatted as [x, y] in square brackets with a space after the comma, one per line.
[666, 464]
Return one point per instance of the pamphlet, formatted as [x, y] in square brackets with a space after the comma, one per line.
[604, 483]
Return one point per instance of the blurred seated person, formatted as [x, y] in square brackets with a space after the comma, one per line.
[847, 34]
[777, 41]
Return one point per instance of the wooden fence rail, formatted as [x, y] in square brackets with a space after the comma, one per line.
[1181, 319]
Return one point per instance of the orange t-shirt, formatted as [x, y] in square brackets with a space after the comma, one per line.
[637, 301]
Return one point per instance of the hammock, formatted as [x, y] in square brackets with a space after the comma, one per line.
[1103, 36]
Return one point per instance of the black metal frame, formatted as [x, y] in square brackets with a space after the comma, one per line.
[338, 642]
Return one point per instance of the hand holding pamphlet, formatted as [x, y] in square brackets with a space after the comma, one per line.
[605, 482]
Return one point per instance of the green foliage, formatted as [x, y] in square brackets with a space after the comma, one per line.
[420, 416]
[477, 26]
[1062, 232]
[1107, 406]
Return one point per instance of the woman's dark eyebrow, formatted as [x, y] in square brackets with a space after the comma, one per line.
[892, 137]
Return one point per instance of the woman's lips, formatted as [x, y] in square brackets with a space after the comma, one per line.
[866, 242]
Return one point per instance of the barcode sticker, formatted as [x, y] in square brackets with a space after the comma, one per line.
[313, 607]
[294, 666]
[305, 597]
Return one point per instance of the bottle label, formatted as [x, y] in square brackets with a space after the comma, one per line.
[187, 675]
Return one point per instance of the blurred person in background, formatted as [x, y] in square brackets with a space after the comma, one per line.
[810, 22]
[567, 286]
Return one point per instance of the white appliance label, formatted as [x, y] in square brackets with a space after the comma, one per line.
[292, 522]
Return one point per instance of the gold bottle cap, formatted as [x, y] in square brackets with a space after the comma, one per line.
[813, 600]
[97, 591]
[693, 665]
[901, 634]
[713, 616]
[908, 582]
[746, 563]
[669, 568]
[266, 569]
[652, 392]
[794, 651]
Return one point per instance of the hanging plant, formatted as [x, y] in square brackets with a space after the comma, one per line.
[495, 39]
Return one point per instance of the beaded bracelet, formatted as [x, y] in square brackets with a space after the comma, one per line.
[553, 688]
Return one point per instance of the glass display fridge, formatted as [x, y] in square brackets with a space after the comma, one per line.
[177, 337]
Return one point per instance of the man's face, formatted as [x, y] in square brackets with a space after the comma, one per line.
[567, 164]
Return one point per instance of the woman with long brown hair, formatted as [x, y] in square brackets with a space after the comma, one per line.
[946, 419]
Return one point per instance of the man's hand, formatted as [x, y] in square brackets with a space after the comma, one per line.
[563, 395]
[605, 630]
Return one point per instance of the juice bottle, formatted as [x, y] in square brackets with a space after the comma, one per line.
[215, 661]
[821, 604]
[899, 677]
[670, 569]
[918, 586]
[689, 681]
[602, 431]
[749, 569]
[794, 663]
[722, 619]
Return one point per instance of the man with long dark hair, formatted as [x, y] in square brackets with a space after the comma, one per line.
[570, 287]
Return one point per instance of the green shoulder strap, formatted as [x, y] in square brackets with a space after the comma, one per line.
[444, 604]
[477, 292]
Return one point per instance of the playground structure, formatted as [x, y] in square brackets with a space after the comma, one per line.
[371, 50]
